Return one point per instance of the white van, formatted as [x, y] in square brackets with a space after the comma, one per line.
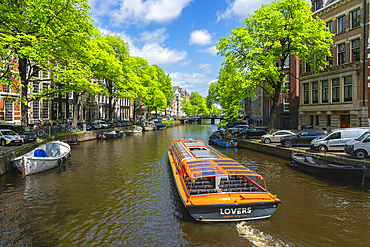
[359, 147]
[336, 139]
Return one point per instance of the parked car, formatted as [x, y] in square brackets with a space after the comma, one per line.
[235, 123]
[24, 131]
[249, 132]
[95, 126]
[336, 139]
[238, 127]
[103, 124]
[275, 137]
[359, 147]
[127, 123]
[118, 123]
[110, 123]
[80, 126]
[9, 137]
[303, 138]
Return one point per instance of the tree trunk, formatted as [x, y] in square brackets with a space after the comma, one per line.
[75, 108]
[275, 100]
[22, 67]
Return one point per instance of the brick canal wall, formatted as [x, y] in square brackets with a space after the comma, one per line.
[285, 153]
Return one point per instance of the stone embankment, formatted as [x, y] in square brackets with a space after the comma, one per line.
[277, 150]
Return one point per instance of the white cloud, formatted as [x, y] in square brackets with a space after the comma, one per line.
[206, 67]
[185, 63]
[240, 8]
[157, 54]
[200, 37]
[195, 82]
[211, 50]
[153, 50]
[138, 12]
[157, 36]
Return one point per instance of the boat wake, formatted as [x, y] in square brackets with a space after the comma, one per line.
[256, 237]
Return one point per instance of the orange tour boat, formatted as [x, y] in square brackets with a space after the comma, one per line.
[214, 187]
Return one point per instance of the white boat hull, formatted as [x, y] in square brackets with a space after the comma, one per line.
[57, 152]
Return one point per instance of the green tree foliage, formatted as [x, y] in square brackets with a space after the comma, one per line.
[233, 88]
[213, 96]
[270, 36]
[37, 35]
[195, 105]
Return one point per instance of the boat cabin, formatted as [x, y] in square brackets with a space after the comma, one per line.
[203, 170]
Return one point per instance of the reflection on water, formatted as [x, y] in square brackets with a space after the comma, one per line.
[121, 193]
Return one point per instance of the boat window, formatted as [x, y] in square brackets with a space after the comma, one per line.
[193, 144]
[204, 154]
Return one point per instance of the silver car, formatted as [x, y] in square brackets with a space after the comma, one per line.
[275, 137]
[9, 137]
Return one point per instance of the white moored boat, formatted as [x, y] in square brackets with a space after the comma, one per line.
[45, 157]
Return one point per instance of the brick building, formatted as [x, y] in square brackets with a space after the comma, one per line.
[337, 97]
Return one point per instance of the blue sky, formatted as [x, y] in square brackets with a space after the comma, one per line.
[180, 36]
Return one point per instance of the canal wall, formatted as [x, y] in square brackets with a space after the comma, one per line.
[285, 153]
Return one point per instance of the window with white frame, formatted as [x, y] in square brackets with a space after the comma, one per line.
[35, 110]
[286, 62]
[325, 91]
[306, 93]
[341, 24]
[45, 109]
[355, 18]
[341, 53]
[45, 74]
[317, 5]
[36, 87]
[335, 90]
[9, 110]
[287, 83]
[315, 92]
[286, 103]
[6, 89]
[355, 50]
[348, 88]
[70, 110]
[63, 113]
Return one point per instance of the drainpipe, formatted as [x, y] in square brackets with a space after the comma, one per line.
[365, 58]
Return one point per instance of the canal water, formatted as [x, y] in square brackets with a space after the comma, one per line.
[121, 193]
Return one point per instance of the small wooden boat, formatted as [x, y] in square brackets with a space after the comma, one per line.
[327, 168]
[216, 135]
[45, 157]
[226, 143]
[149, 126]
[110, 135]
[136, 129]
[214, 187]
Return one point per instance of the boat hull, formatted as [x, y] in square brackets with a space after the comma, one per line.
[225, 143]
[232, 212]
[340, 172]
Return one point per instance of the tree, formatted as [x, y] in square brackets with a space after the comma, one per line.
[233, 88]
[198, 103]
[270, 36]
[187, 107]
[213, 96]
[44, 35]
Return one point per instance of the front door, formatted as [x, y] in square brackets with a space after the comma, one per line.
[344, 121]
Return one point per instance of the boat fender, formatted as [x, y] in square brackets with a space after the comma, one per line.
[64, 160]
[70, 155]
[59, 162]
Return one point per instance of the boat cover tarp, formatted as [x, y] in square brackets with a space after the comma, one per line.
[40, 153]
